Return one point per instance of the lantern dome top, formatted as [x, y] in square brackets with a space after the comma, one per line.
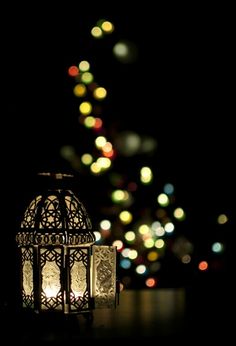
[56, 216]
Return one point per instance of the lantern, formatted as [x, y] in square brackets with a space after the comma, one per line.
[61, 267]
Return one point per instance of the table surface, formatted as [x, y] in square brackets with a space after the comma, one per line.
[158, 314]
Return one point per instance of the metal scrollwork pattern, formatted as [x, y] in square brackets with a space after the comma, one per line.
[104, 285]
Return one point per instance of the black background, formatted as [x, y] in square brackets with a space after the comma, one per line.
[186, 63]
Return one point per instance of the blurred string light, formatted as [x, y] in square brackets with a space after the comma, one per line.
[142, 241]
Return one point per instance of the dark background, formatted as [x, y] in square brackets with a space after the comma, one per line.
[186, 63]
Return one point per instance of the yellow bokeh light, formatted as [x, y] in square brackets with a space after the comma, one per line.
[80, 90]
[87, 77]
[89, 122]
[100, 141]
[99, 93]
[145, 172]
[125, 217]
[86, 159]
[133, 254]
[118, 196]
[179, 214]
[143, 229]
[222, 218]
[107, 27]
[163, 199]
[85, 108]
[95, 168]
[152, 256]
[159, 243]
[148, 243]
[146, 175]
[130, 236]
[84, 66]
[96, 32]
[104, 162]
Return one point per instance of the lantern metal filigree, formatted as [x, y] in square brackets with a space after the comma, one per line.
[61, 267]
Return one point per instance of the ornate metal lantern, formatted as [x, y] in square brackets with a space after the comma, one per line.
[61, 267]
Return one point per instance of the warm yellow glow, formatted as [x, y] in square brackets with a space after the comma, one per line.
[133, 254]
[104, 281]
[85, 108]
[148, 243]
[107, 147]
[145, 171]
[179, 214]
[99, 93]
[51, 279]
[119, 244]
[163, 199]
[87, 159]
[152, 256]
[222, 218]
[107, 26]
[105, 225]
[50, 292]
[159, 243]
[87, 77]
[125, 217]
[100, 141]
[84, 65]
[27, 276]
[146, 175]
[118, 196]
[80, 90]
[95, 168]
[96, 32]
[89, 122]
[130, 236]
[104, 162]
[78, 278]
[143, 229]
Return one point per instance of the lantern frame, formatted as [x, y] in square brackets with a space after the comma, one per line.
[61, 267]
